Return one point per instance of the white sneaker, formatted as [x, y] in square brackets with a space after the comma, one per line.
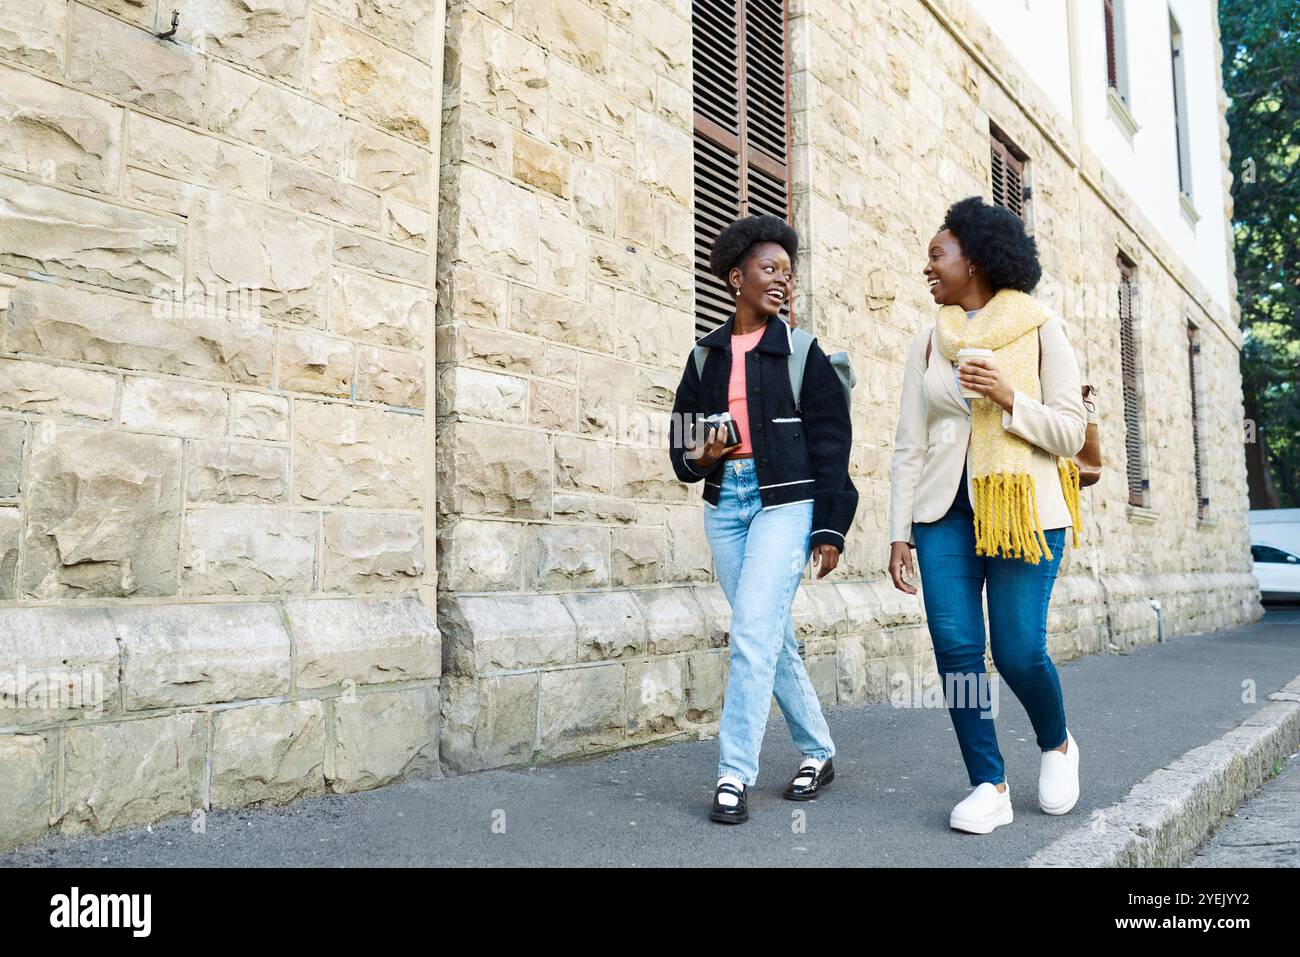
[983, 810]
[1058, 778]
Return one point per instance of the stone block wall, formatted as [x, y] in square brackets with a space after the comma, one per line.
[577, 601]
[215, 327]
[565, 303]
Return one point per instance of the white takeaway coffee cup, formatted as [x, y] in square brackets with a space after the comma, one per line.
[967, 393]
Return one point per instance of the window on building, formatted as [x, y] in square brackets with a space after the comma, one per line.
[1008, 172]
[1131, 374]
[742, 135]
[1116, 65]
[1182, 151]
[1193, 373]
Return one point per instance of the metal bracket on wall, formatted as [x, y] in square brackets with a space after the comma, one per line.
[176, 19]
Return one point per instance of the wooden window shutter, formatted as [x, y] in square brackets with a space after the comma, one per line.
[1182, 153]
[1112, 71]
[1179, 120]
[1193, 361]
[1008, 172]
[742, 129]
[1129, 369]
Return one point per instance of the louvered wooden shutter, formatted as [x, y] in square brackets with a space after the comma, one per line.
[1193, 360]
[1179, 120]
[742, 130]
[1136, 466]
[1182, 151]
[1008, 175]
[1112, 71]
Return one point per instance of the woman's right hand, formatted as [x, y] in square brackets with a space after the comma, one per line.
[713, 450]
[900, 560]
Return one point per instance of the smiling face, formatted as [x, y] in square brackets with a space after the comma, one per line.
[947, 270]
[765, 276]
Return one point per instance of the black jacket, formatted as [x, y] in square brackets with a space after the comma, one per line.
[797, 459]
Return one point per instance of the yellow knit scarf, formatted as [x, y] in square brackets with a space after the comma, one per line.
[1006, 504]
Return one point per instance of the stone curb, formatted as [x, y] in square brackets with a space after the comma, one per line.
[1166, 816]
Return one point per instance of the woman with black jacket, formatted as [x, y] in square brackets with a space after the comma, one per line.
[778, 493]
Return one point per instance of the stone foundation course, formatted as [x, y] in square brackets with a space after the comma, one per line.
[125, 714]
[543, 677]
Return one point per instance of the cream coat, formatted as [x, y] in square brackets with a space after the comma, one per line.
[934, 426]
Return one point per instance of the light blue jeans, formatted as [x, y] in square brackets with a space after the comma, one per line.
[760, 557]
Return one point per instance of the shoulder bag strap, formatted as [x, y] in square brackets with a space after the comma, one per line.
[800, 343]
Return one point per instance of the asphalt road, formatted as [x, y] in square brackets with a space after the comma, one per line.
[898, 773]
[1265, 831]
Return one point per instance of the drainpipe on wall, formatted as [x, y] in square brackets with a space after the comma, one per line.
[1076, 65]
[1160, 621]
[429, 587]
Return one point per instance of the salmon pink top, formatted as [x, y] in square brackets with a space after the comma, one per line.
[736, 403]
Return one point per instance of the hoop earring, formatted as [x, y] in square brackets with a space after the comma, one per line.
[971, 271]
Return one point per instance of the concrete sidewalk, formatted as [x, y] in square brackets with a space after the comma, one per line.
[898, 774]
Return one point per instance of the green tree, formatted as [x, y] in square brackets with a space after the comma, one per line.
[1261, 75]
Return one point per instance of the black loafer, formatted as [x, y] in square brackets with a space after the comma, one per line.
[815, 782]
[737, 814]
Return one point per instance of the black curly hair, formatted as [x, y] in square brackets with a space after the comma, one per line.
[994, 239]
[732, 246]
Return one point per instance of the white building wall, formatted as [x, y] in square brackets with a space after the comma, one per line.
[1144, 163]
[1037, 30]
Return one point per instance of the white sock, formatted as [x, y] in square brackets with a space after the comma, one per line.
[804, 778]
[727, 799]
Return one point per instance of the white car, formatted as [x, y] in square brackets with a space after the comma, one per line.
[1278, 571]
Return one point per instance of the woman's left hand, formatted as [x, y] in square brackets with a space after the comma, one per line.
[983, 376]
[825, 558]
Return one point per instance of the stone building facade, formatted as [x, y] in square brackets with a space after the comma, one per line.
[216, 333]
[240, 266]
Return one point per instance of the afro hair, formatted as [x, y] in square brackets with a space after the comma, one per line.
[994, 239]
[733, 243]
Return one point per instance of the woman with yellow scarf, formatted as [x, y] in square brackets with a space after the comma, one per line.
[1008, 422]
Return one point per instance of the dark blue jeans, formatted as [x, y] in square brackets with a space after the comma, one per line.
[953, 577]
